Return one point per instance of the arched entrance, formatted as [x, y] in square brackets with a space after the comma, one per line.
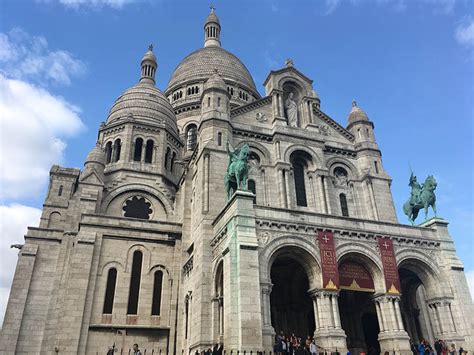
[357, 308]
[291, 306]
[419, 320]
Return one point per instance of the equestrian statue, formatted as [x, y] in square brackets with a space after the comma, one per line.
[237, 170]
[422, 196]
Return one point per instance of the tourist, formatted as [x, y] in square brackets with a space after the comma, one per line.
[438, 346]
[277, 346]
[421, 347]
[110, 351]
[452, 351]
[313, 349]
[136, 350]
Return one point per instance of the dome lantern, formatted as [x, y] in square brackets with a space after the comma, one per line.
[212, 30]
[148, 67]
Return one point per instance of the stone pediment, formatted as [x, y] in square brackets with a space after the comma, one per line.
[91, 177]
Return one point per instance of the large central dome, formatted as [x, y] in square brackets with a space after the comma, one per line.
[200, 66]
[191, 74]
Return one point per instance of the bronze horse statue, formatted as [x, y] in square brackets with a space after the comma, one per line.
[237, 171]
[422, 196]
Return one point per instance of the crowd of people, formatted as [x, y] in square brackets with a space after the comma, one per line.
[294, 345]
[440, 348]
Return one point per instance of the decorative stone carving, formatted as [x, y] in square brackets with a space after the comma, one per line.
[260, 117]
[263, 238]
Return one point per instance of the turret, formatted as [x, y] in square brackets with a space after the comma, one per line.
[215, 99]
[95, 161]
[212, 30]
[148, 66]
[360, 125]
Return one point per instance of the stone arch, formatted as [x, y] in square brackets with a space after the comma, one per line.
[334, 162]
[260, 150]
[146, 261]
[366, 257]
[159, 267]
[139, 188]
[111, 264]
[316, 161]
[303, 248]
[53, 219]
[290, 81]
[423, 267]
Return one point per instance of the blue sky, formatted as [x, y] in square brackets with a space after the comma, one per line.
[409, 65]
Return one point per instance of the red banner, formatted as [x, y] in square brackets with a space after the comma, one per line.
[355, 277]
[328, 260]
[390, 270]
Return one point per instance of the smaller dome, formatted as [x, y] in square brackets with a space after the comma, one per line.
[96, 155]
[215, 82]
[143, 102]
[357, 114]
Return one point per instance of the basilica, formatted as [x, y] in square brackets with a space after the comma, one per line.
[150, 243]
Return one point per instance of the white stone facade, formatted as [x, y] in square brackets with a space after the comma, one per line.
[154, 186]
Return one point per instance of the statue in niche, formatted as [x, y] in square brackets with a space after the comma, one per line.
[340, 177]
[291, 109]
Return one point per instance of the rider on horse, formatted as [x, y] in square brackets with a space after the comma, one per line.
[416, 188]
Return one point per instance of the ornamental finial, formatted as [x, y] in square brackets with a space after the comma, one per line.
[354, 103]
[150, 47]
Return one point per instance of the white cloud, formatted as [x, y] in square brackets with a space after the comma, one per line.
[27, 57]
[464, 33]
[14, 219]
[96, 4]
[470, 282]
[33, 125]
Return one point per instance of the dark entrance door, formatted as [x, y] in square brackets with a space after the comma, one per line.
[291, 306]
[359, 320]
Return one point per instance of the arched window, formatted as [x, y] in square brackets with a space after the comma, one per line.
[117, 148]
[156, 300]
[108, 152]
[218, 102]
[208, 102]
[376, 166]
[191, 137]
[110, 291]
[173, 158]
[149, 151]
[300, 189]
[167, 157]
[343, 201]
[137, 154]
[197, 89]
[60, 190]
[134, 292]
[219, 139]
[252, 187]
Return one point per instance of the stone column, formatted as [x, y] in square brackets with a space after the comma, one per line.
[326, 194]
[329, 334]
[289, 183]
[310, 104]
[392, 336]
[282, 188]
[205, 182]
[322, 194]
[268, 333]
[281, 108]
